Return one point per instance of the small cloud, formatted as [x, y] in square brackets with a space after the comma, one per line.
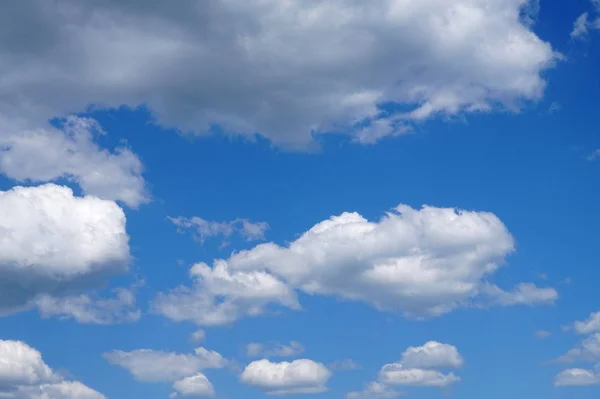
[198, 336]
[594, 155]
[344, 365]
[580, 26]
[554, 108]
[203, 229]
[543, 334]
[276, 350]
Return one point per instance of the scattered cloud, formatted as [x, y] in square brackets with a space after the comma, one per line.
[577, 377]
[420, 262]
[53, 243]
[344, 365]
[580, 26]
[194, 386]
[588, 326]
[25, 375]
[86, 310]
[396, 374]
[198, 336]
[543, 334]
[275, 350]
[287, 71]
[203, 229]
[71, 152]
[148, 365]
[587, 350]
[432, 355]
[594, 155]
[374, 390]
[299, 376]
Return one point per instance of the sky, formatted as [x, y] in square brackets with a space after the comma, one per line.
[301, 199]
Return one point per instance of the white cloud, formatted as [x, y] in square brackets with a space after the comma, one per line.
[287, 70]
[48, 154]
[25, 375]
[203, 229]
[194, 386]
[155, 366]
[374, 390]
[344, 365]
[422, 262]
[54, 243]
[432, 355]
[580, 26]
[396, 374]
[299, 376]
[86, 310]
[596, 154]
[198, 336]
[588, 326]
[255, 349]
[586, 350]
[577, 377]
[221, 296]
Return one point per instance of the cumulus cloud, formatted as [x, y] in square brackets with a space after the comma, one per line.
[256, 66]
[148, 365]
[221, 296]
[580, 26]
[87, 310]
[25, 375]
[432, 355]
[255, 349]
[71, 152]
[299, 376]
[374, 390]
[586, 350]
[420, 262]
[577, 377]
[203, 229]
[396, 374]
[53, 243]
[194, 386]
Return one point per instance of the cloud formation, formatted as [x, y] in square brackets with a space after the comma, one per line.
[299, 376]
[53, 243]
[203, 229]
[420, 262]
[25, 375]
[255, 349]
[255, 66]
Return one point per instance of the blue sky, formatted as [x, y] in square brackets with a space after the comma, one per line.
[402, 202]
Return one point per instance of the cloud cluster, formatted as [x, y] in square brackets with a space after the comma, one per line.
[587, 351]
[25, 375]
[203, 229]
[54, 244]
[418, 367]
[420, 262]
[181, 369]
[256, 66]
[299, 376]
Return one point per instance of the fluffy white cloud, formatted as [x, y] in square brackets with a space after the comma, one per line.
[421, 262]
[70, 152]
[255, 349]
[86, 310]
[299, 376]
[577, 377]
[220, 296]
[154, 366]
[194, 386]
[588, 326]
[374, 390]
[53, 242]
[25, 375]
[203, 229]
[397, 374]
[432, 355]
[287, 70]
